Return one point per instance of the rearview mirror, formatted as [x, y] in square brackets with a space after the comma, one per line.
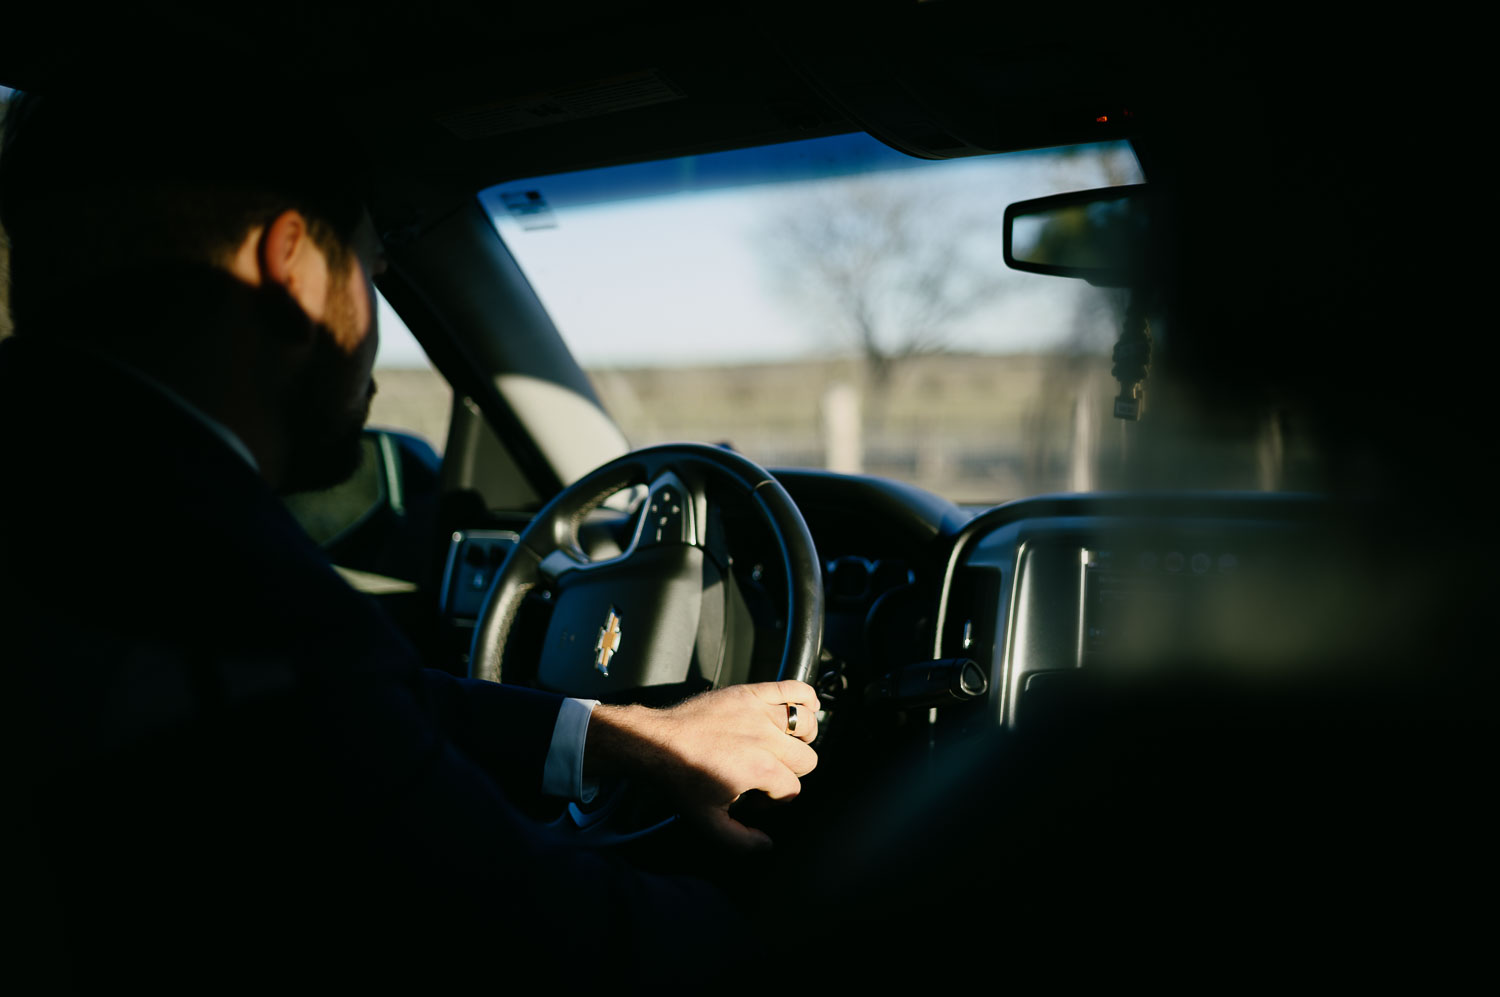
[1102, 236]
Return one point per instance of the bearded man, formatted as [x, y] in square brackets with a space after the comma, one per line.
[234, 766]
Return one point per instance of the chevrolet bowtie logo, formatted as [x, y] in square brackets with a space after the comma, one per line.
[608, 642]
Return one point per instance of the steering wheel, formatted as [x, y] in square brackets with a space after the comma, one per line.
[656, 615]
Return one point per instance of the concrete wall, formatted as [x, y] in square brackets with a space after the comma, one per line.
[972, 428]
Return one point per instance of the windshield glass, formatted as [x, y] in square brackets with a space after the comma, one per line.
[831, 303]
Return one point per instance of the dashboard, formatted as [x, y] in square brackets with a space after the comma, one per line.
[1007, 613]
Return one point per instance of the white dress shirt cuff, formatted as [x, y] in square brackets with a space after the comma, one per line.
[562, 773]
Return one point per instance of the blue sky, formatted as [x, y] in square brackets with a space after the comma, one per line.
[677, 271]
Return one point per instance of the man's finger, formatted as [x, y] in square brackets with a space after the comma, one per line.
[797, 720]
[778, 781]
[795, 755]
[786, 691]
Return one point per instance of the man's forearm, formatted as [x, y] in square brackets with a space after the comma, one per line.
[621, 742]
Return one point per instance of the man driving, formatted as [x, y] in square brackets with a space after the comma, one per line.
[230, 756]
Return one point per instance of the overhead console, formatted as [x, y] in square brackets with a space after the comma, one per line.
[1054, 595]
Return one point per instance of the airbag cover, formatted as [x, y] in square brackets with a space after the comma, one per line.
[655, 596]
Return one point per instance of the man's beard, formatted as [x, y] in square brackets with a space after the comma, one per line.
[322, 458]
[324, 426]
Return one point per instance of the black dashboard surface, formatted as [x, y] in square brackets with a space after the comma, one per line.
[1057, 592]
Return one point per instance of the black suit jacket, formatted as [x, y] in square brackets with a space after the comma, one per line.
[230, 756]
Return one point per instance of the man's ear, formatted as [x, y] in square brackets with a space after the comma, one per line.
[287, 259]
[282, 250]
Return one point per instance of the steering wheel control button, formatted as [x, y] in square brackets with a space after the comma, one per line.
[667, 518]
[668, 525]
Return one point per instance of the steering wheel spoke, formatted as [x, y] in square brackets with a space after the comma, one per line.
[671, 514]
[558, 565]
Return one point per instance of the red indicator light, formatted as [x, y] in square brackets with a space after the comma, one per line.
[1101, 119]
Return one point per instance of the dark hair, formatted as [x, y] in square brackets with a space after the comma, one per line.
[95, 187]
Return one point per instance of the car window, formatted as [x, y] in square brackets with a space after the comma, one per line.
[410, 396]
[831, 303]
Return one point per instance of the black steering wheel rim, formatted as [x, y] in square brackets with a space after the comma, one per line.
[550, 545]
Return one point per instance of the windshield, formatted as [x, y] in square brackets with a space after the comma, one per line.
[834, 304]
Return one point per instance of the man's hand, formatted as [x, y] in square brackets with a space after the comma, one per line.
[710, 749]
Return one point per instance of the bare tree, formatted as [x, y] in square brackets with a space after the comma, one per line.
[887, 267]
